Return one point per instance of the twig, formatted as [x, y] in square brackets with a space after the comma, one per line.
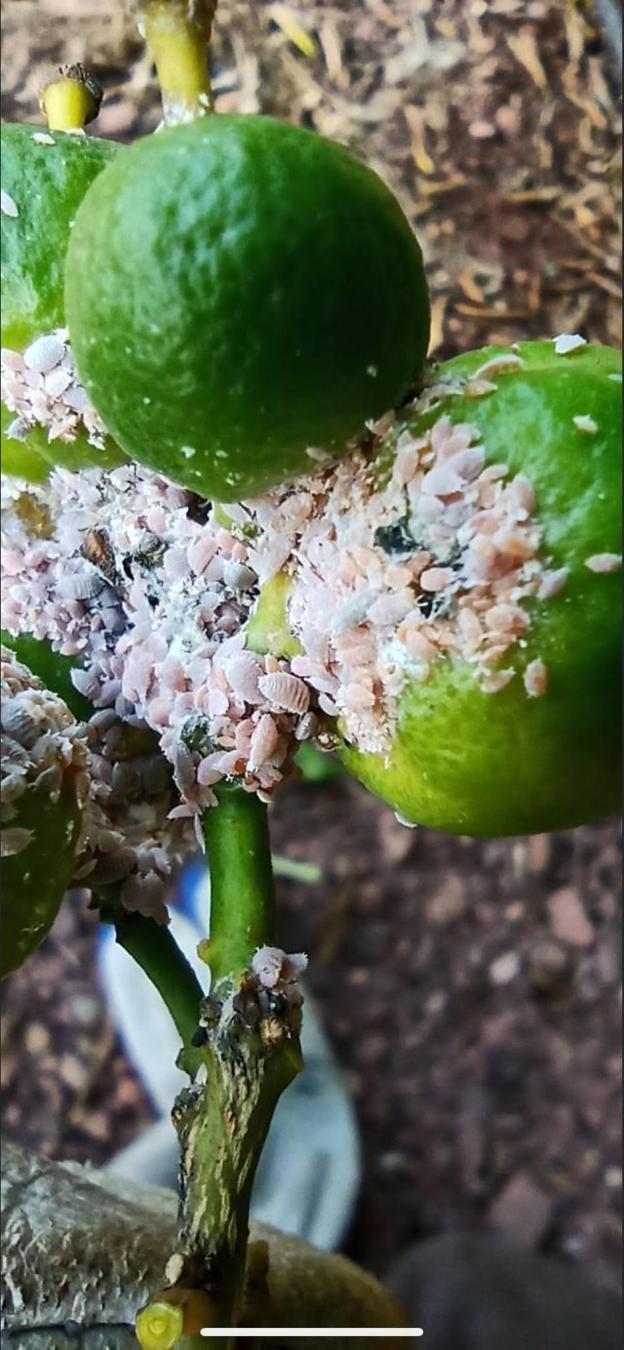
[249, 1042]
[156, 951]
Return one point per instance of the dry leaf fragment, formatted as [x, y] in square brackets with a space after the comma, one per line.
[288, 21]
[524, 47]
[416, 124]
[438, 310]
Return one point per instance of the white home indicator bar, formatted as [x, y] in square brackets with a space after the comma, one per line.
[278, 1333]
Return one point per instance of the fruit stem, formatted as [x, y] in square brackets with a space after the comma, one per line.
[72, 101]
[156, 951]
[177, 33]
[241, 881]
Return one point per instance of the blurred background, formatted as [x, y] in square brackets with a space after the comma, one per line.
[470, 990]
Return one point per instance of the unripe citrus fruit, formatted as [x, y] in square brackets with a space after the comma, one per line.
[44, 178]
[240, 291]
[52, 668]
[43, 782]
[540, 750]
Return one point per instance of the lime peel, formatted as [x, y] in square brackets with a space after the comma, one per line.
[282, 282]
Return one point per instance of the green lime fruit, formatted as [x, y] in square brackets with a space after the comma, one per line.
[44, 178]
[239, 291]
[504, 763]
[43, 781]
[52, 668]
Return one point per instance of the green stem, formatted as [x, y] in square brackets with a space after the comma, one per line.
[156, 951]
[251, 1054]
[241, 882]
[177, 33]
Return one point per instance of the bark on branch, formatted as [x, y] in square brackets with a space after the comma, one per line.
[82, 1248]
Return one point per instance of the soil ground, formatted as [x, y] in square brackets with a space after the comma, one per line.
[470, 988]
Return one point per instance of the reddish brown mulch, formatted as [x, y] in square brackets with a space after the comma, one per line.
[470, 989]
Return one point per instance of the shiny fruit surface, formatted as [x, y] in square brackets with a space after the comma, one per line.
[239, 291]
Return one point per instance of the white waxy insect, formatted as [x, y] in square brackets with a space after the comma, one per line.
[17, 430]
[50, 780]
[57, 381]
[552, 582]
[436, 579]
[535, 678]
[263, 742]
[83, 585]
[389, 609]
[568, 342]
[274, 967]
[285, 691]
[183, 767]
[441, 481]
[499, 365]
[239, 577]
[583, 422]
[44, 353]
[495, 681]
[243, 672]
[7, 205]
[604, 562]
[144, 893]
[113, 866]
[13, 841]
[306, 727]
[77, 399]
[18, 721]
[87, 683]
[351, 613]
[12, 786]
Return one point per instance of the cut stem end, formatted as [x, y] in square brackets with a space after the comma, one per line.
[72, 101]
[177, 35]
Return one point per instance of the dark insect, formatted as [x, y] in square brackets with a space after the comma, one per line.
[148, 555]
[395, 539]
[198, 509]
[195, 734]
[425, 603]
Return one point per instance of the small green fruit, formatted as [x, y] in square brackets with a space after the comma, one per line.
[43, 782]
[44, 178]
[504, 763]
[239, 290]
[52, 668]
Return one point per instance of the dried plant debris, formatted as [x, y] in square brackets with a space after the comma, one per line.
[496, 123]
